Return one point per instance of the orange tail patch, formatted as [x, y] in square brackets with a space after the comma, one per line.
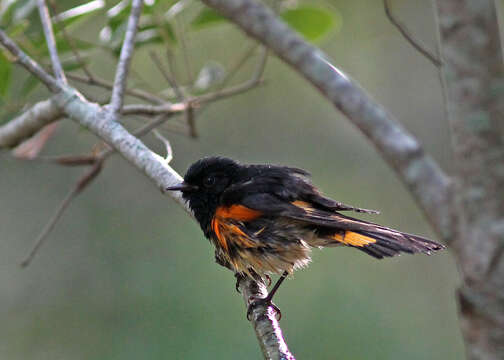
[353, 239]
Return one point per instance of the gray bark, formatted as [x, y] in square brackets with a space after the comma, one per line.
[472, 56]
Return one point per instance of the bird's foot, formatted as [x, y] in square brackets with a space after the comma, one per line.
[254, 302]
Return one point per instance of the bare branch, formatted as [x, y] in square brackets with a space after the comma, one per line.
[51, 42]
[81, 185]
[29, 64]
[138, 93]
[237, 89]
[168, 77]
[28, 123]
[141, 109]
[268, 331]
[422, 49]
[121, 76]
[425, 179]
[70, 41]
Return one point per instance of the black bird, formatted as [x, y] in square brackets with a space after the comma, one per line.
[265, 219]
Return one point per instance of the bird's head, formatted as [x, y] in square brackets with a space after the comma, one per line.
[204, 183]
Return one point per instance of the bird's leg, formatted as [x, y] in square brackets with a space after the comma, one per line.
[239, 277]
[267, 301]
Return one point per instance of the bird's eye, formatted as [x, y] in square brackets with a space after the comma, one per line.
[209, 181]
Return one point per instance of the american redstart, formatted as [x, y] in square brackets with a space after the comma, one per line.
[264, 219]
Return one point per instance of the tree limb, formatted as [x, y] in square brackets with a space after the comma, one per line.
[472, 57]
[121, 75]
[28, 123]
[427, 182]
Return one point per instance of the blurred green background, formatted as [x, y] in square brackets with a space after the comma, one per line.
[126, 274]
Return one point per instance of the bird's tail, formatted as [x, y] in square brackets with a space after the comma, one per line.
[380, 243]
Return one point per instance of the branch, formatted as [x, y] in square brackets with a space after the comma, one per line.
[28, 63]
[121, 76]
[428, 183]
[28, 123]
[83, 182]
[138, 93]
[409, 38]
[265, 324]
[51, 42]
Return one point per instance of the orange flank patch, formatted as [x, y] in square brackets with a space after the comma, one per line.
[226, 231]
[216, 227]
[354, 239]
[237, 212]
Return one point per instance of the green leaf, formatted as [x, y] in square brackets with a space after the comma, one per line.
[207, 17]
[71, 16]
[5, 74]
[312, 22]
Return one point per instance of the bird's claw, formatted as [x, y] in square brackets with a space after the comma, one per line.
[254, 301]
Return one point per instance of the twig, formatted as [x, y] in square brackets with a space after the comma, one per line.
[27, 62]
[85, 180]
[121, 75]
[169, 151]
[409, 37]
[138, 93]
[51, 42]
[183, 45]
[141, 109]
[237, 89]
[70, 41]
[155, 59]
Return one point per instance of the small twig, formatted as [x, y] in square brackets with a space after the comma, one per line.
[70, 41]
[140, 94]
[255, 80]
[238, 65]
[169, 150]
[141, 109]
[407, 35]
[84, 181]
[125, 58]
[155, 59]
[181, 34]
[68, 160]
[29, 64]
[51, 42]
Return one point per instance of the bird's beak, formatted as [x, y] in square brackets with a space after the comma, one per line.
[182, 187]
